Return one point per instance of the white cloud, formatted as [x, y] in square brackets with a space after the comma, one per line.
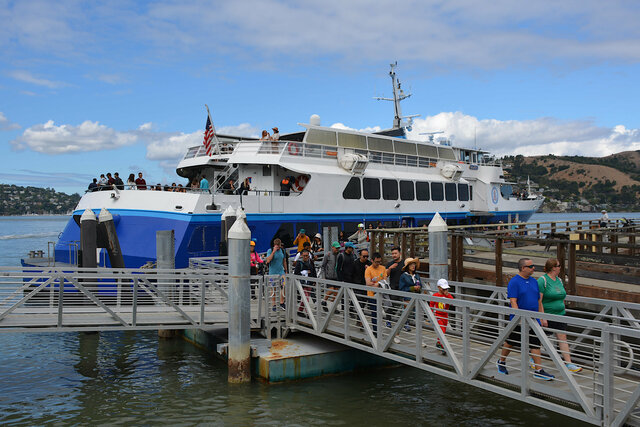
[458, 33]
[529, 137]
[370, 129]
[6, 124]
[172, 147]
[49, 138]
[27, 77]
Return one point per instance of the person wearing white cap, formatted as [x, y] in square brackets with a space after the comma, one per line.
[440, 309]
[360, 236]
[604, 219]
[316, 245]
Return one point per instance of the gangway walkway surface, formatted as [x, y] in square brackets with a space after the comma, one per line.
[395, 325]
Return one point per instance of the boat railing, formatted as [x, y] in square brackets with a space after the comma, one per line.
[147, 187]
[223, 148]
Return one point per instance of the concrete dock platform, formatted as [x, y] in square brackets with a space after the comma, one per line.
[299, 356]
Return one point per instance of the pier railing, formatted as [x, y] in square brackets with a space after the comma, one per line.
[411, 329]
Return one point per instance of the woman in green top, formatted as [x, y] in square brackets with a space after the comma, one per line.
[553, 295]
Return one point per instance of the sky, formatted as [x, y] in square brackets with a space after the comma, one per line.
[92, 87]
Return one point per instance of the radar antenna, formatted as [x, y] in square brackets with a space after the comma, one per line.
[398, 95]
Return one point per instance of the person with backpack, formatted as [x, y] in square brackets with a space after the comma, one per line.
[330, 271]
[553, 294]
[346, 264]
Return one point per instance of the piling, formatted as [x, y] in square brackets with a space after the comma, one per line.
[225, 224]
[438, 254]
[113, 244]
[165, 259]
[239, 349]
[88, 238]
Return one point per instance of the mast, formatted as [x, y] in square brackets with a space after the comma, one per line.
[398, 95]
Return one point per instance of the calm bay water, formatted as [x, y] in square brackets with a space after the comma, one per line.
[135, 378]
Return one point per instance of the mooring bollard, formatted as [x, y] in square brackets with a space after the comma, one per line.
[239, 348]
[88, 238]
[166, 260]
[113, 244]
[438, 253]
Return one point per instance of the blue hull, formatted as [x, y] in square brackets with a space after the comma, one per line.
[198, 235]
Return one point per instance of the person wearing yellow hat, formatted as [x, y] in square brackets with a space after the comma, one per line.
[256, 262]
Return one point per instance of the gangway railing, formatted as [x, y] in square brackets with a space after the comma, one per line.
[407, 328]
[77, 299]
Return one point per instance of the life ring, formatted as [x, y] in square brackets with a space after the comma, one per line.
[300, 183]
[294, 149]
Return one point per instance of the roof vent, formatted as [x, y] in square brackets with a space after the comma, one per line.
[314, 120]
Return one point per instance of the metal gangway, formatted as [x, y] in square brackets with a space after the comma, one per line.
[403, 327]
[41, 299]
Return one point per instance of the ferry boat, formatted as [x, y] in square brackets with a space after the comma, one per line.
[336, 178]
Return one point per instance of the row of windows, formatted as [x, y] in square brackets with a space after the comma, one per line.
[405, 190]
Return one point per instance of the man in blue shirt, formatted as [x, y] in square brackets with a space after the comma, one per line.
[523, 294]
[277, 262]
[204, 184]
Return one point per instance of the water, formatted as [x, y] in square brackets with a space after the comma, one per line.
[135, 378]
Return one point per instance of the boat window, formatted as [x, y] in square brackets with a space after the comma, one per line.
[471, 192]
[427, 151]
[349, 228]
[322, 137]
[404, 147]
[284, 233]
[437, 191]
[506, 190]
[450, 192]
[389, 189]
[401, 160]
[266, 170]
[412, 161]
[446, 153]
[352, 190]
[371, 188]
[350, 140]
[406, 190]
[463, 192]
[379, 144]
[422, 190]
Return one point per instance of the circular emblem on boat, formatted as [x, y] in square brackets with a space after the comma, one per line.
[294, 149]
[494, 195]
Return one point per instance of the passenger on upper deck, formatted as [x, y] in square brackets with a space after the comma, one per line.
[140, 182]
[245, 187]
[93, 185]
[131, 182]
[102, 182]
[265, 136]
[118, 181]
[229, 187]
[276, 134]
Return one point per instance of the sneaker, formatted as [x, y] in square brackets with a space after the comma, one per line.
[439, 346]
[388, 324]
[502, 367]
[572, 367]
[424, 344]
[532, 365]
[274, 309]
[396, 340]
[542, 375]
[407, 328]
[282, 307]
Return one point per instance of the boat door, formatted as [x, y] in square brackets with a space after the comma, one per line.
[408, 220]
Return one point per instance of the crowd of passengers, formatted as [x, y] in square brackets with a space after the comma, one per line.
[341, 262]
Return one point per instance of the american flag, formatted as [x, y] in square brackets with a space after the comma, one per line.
[209, 133]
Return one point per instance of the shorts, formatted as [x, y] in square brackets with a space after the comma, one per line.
[560, 326]
[514, 338]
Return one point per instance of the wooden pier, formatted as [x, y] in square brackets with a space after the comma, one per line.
[597, 262]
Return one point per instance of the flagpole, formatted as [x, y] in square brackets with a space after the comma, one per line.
[214, 130]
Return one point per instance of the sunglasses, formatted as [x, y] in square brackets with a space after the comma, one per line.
[365, 256]
[529, 266]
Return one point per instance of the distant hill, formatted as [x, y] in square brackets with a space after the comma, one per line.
[18, 200]
[611, 182]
